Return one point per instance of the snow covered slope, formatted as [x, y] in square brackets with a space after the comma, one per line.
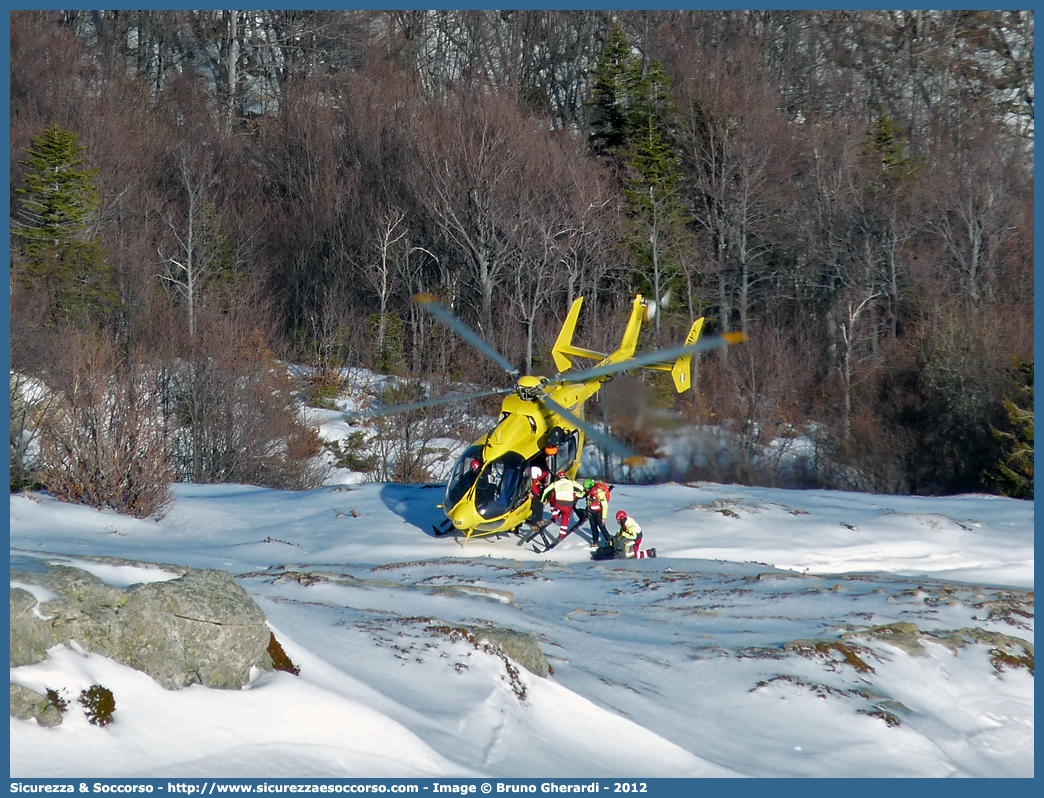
[779, 633]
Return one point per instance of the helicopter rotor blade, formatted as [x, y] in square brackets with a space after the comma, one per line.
[442, 400]
[605, 441]
[432, 305]
[659, 356]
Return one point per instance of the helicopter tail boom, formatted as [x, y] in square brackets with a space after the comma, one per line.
[641, 311]
[683, 366]
[629, 341]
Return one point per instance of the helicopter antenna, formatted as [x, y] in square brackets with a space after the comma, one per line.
[430, 304]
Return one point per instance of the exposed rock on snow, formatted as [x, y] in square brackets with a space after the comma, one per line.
[521, 647]
[27, 704]
[1007, 651]
[29, 639]
[199, 628]
[903, 635]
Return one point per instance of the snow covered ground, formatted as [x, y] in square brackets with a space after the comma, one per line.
[751, 647]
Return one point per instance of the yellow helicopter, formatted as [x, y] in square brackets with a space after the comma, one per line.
[541, 420]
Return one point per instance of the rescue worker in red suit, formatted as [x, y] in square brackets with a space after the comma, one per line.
[597, 494]
[563, 493]
[540, 479]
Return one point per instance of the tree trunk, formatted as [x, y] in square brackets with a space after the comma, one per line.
[231, 63]
[486, 291]
[529, 343]
[724, 301]
[744, 294]
[654, 240]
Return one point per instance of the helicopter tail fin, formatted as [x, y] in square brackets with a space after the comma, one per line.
[563, 347]
[682, 367]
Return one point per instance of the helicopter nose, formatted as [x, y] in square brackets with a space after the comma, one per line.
[464, 516]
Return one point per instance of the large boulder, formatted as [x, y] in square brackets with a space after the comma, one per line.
[200, 628]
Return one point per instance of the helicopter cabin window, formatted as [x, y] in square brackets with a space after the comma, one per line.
[567, 452]
[463, 476]
[503, 486]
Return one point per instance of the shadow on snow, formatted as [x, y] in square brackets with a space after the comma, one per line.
[417, 505]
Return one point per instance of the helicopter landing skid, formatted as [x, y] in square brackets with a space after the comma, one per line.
[441, 530]
[534, 530]
[556, 541]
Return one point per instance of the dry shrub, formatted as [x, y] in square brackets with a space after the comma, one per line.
[33, 405]
[56, 700]
[756, 392]
[107, 445]
[871, 458]
[280, 659]
[236, 414]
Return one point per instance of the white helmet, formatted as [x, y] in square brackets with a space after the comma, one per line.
[535, 472]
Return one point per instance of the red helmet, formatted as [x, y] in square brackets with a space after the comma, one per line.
[475, 464]
[621, 516]
[561, 474]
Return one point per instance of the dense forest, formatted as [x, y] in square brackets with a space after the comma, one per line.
[198, 197]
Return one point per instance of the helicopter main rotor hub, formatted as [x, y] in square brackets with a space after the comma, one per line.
[530, 388]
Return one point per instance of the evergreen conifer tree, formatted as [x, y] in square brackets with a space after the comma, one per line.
[884, 142]
[617, 80]
[631, 124]
[1014, 472]
[50, 232]
[653, 194]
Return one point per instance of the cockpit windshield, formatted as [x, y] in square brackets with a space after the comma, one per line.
[463, 475]
[502, 484]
